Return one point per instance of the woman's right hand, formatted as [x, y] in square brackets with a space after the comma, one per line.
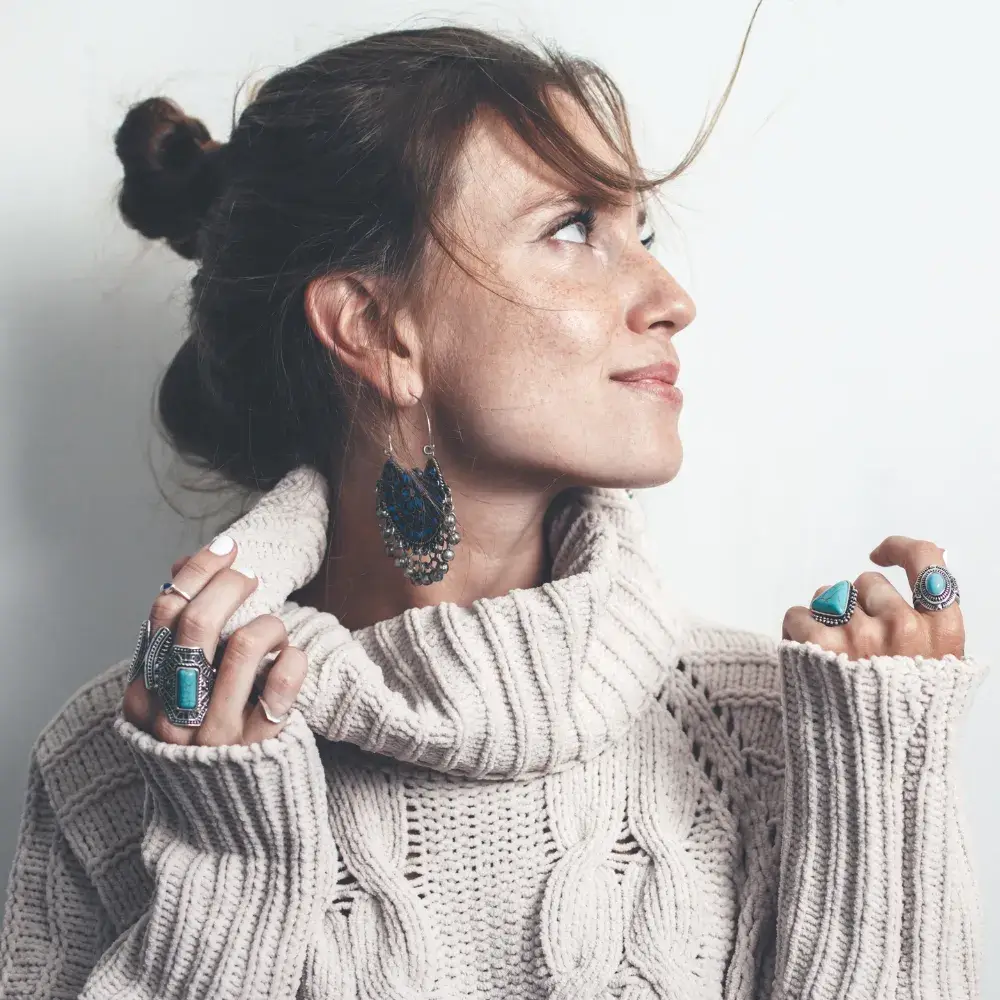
[217, 590]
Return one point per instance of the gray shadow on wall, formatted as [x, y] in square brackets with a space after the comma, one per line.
[88, 537]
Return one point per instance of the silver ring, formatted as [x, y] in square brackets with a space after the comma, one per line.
[935, 589]
[267, 711]
[185, 683]
[836, 604]
[150, 651]
[140, 651]
[171, 587]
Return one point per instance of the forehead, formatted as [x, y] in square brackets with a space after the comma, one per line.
[500, 175]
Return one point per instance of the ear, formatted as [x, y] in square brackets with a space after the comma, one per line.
[343, 311]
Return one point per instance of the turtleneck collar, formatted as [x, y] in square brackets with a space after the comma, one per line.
[510, 687]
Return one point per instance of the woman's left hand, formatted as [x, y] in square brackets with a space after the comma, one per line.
[884, 622]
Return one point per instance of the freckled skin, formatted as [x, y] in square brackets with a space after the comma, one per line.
[527, 381]
[515, 376]
[516, 379]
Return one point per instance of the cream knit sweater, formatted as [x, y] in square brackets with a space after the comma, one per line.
[573, 791]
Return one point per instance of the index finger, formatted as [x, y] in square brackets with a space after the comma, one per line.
[913, 554]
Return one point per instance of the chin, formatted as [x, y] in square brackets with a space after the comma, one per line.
[655, 471]
[660, 479]
[656, 467]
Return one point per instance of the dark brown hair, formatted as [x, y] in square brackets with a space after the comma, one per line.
[341, 163]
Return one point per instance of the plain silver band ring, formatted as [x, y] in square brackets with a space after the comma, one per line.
[171, 587]
[267, 712]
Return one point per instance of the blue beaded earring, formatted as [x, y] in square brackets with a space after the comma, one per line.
[416, 516]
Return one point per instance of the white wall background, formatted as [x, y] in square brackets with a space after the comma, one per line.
[838, 234]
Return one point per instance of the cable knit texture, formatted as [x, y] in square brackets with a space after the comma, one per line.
[574, 791]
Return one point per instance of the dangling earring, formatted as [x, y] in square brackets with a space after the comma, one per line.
[416, 515]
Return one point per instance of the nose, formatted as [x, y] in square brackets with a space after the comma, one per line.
[658, 300]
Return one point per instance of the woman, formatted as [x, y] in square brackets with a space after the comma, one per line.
[498, 763]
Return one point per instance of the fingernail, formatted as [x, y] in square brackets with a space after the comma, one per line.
[246, 572]
[221, 545]
[944, 556]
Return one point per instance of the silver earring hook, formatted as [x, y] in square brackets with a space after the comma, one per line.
[429, 447]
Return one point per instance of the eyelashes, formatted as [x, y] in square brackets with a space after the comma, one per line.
[587, 217]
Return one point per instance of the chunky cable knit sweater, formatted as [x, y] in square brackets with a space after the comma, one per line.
[572, 791]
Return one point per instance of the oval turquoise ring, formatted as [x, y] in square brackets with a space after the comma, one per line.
[836, 604]
[935, 589]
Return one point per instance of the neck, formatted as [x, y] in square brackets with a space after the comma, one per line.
[502, 547]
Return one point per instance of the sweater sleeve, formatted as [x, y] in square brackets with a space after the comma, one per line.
[54, 926]
[237, 843]
[877, 897]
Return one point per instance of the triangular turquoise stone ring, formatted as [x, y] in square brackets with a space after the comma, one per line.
[836, 604]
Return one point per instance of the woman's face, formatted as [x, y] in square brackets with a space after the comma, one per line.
[522, 370]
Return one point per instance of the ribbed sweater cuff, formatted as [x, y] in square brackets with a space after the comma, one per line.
[235, 797]
[872, 857]
[237, 841]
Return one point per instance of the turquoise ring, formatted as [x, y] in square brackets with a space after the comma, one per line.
[836, 604]
[184, 684]
[935, 589]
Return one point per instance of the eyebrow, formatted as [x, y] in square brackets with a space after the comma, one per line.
[559, 199]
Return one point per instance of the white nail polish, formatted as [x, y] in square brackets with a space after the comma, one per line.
[944, 556]
[246, 572]
[221, 545]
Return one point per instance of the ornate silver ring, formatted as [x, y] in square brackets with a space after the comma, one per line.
[935, 589]
[184, 684]
[150, 651]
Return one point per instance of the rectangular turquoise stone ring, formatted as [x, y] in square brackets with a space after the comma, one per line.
[185, 683]
[187, 687]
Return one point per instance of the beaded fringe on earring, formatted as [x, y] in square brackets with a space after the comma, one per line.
[417, 518]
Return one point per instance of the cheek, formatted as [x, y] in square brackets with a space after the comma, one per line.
[548, 327]
[509, 356]
[528, 387]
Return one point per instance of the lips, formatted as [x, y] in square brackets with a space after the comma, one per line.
[663, 371]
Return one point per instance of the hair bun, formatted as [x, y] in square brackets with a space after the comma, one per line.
[173, 173]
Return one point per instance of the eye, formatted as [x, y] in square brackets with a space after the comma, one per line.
[648, 241]
[582, 221]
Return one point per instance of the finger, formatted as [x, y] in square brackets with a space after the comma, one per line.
[139, 704]
[913, 554]
[799, 624]
[201, 620]
[879, 598]
[245, 649]
[192, 577]
[947, 627]
[864, 631]
[888, 621]
[284, 681]
[864, 634]
[198, 624]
